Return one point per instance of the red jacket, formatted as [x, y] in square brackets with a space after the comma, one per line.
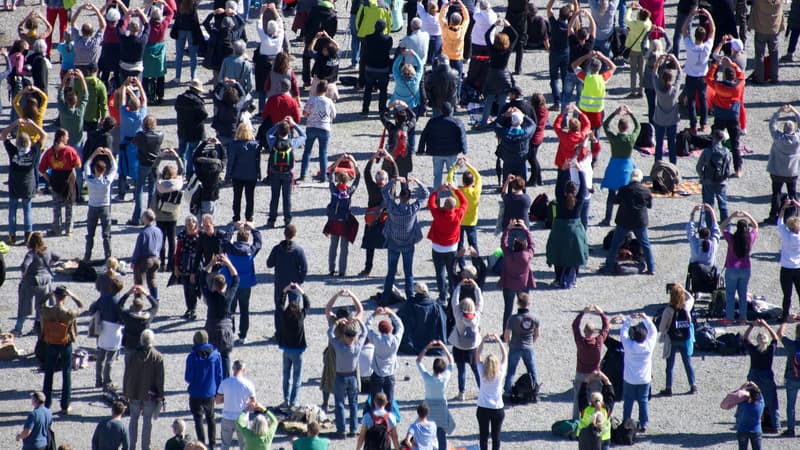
[727, 96]
[568, 140]
[446, 226]
[279, 106]
[541, 122]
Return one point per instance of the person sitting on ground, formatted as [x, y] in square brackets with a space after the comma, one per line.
[425, 320]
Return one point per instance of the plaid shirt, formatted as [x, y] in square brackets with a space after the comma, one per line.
[402, 228]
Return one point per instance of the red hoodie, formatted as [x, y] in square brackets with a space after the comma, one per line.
[446, 226]
[568, 140]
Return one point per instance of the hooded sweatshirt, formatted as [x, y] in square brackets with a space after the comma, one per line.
[784, 155]
[203, 371]
[466, 334]
[242, 254]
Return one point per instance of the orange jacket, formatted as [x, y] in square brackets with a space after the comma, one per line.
[568, 140]
[727, 98]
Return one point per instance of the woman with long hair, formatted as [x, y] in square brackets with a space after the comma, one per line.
[465, 338]
[167, 201]
[790, 255]
[703, 241]
[656, 48]
[665, 114]
[749, 404]
[567, 248]
[498, 80]
[737, 263]
[186, 31]
[15, 79]
[517, 276]
[762, 354]
[540, 107]
[490, 411]
[292, 340]
[675, 331]
[186, 254]
[281, 69]
[244, 169]
[37, 278]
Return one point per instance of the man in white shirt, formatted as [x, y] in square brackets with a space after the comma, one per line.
[696, 66]
[234, 392]
[638, 341]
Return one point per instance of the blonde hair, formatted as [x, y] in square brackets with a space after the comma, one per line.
[598, 419]
[467, 305]
[793, 224]
[260, 425]
[677, 296]
[408, 71]
[491, 367]
[596, 397]
[244, 132]
[149, 123]
[574, 124]
[763, 342]
[112, 265]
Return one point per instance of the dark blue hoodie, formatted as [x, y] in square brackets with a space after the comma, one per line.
[242, 255]
[203, 371]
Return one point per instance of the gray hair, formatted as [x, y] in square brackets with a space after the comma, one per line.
[191, 219]
[147, 338]
[179, 426]
[40, 46]
[381, 176]
[272, 27]
[456, 19]
[637, 176]
[231, 4]
[239, 47]
[420, 288]
[156, 14]
[485, 5]
[113, 15]
[416, 24]
[259, 425]
[208, 217]
[789, 127]
[149, 214]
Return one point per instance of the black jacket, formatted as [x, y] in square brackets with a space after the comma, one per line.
[135, 323]
[39, 70]
[191, 112]
[96, 139]
[148, 146]
[634, 200]
[376, 51]
[208, 168]
[441, 85]
[443, 136]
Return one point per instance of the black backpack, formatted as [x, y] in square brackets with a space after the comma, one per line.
[624, 433]
[716, 308]
[538, 210]
[377, 436]
[281, 159]
[717, 168]
[705, 338]
[646, 138]
[618, 38]
[551, 214]
[682, 142]
[524, 390]
[730, 344]
[679, 328]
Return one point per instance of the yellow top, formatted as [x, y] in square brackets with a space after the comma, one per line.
[472, 193]
[453, 37]
[32, 132]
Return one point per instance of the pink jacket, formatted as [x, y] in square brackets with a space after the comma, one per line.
[517, 274]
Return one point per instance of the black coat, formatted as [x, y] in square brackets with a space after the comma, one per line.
[191, 113]
[634, 200]
[441, 85]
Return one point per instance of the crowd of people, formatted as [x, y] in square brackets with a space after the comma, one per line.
[113, 72]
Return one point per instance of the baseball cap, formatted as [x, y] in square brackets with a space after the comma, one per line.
[385, 327]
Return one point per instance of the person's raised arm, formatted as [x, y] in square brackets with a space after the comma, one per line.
[77, 12]
[329, 306]
[142, 93]
[611, 66]
[357, 304]
[712, 27]
[101, 21]
[549, 9]
[592, 24]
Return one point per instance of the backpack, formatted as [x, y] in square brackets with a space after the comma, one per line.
[282, 158]
[551, 214]
[705, 338]
[730, 344]
[716, 308]
[538, 210]
[84, 273]
[624, 433]
[679, 328]
[524, 390]
[339, 207]
[665, 177]
[55, 333]
[377, 437]
[565, 428]
[717, 168]
[682, 140]
[646, 138]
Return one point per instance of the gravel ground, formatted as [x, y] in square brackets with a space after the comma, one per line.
[677, 422]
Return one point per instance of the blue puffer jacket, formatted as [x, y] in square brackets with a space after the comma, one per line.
[203, 371]
[242, 255]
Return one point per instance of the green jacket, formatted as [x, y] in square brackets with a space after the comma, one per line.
[621, 143]
[253, 441]
[368, 14]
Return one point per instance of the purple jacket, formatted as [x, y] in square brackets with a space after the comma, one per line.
[517, 274]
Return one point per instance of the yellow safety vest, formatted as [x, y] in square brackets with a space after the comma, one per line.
[593, 93]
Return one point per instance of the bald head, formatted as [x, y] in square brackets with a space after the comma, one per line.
[449, 203]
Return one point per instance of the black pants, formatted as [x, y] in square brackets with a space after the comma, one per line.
[281, 184]
[789, 278]
[486, 418]
[777, 185]
[203, 407]
[191, 292]
[379, 80]
[243, 300]
[370, 259]
[732, 127]
[536, 168]
[168, 231]
[249, 187]
[154, 88]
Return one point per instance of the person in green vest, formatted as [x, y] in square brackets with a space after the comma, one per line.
[593, 93]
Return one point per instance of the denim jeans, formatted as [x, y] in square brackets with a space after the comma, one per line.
[144, 180]
[794, 33]
[185, 37]
[638, 393]
[718, 191]
[509, 297]
[462, 375]
[469, 235]
[458, 66]
[105, 358]
[27, 215]
[355, 42]
[514, 355]
[559, 68]
[51, 358]
[695, 86]
[616, 243]
[736, 281]
[145, 408]
[313, 134]
[394, 252]
[765, 380]
[792, 386]
[379, 384]
[374, 80]
[753, 439]
[281, 187]
[603, 46]
[243, 299]
[681, 347]
[203, 408]
[186, 151]
[489, 101]
[93, 215]
[670, 132]
[766, 42]
[442, 164]
[292, 367]
[571, 83]
[345, 387]
[441, 264]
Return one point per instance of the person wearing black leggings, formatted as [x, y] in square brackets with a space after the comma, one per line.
[490, 412]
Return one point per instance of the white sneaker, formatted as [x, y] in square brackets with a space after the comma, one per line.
[241, 341]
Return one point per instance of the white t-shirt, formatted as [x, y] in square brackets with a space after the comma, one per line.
[696, 64]
[321, 112]
[490, 394]
[236, 391]
[424, 435]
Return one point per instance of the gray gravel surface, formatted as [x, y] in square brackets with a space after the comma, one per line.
[677, 422]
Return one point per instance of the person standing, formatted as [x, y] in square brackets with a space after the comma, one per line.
[638, 342]
[471, 187]
[87, 40]
[666, 113]
[521, 332]
[783, 164]
[581, 42]
[375, 56]
[737, 263]
[347, 348]
[281, 146]
[292, 340]
[376, 213]
[557, 46]
[762, 355]
[603, 12]
[402, 231]
[244, 170]
[444, 138]
[291, 266]
[71, 111]
[341, 227]
[445, 233]
[146, 252]
[219, 295]
[143, 385]
[455, 32]
[490, 411]
[320, 112]
[696, 66]
[112, 433]
[674, 332]
[109, 337]
[589, 345]
[517, 277]
[714, 169]
[384, 360]
[726, 104]
[190, 114]
[59, 331]
[209, 159]
[441, 84]
[620, 166]
[136, 319]
[749, 404]
[204, 375]
[61, 160]
[148, 144]
[22, 157]
[234, 393]
[99, 180]
[767, 21]
[242, 254]
[35, 432]
[634, 200]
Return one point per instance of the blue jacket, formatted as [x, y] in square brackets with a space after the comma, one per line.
[425, 320]
[107, 305]
[513, 147]
[203, 371]
[290, 265]
[443, 136]
[242, 255]
[244, 161]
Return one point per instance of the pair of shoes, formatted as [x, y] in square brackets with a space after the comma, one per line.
[692, 390]
[786, 58]
[632, 95]
[642, 430]
[270, 224]
[338, 436]
[665, 392]
[649, 272]
[364, 112]
[604, 223]
[332, 273]
[53, 233]
[789, 432]
[299, 179]
[364, 273]
[739, 173]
